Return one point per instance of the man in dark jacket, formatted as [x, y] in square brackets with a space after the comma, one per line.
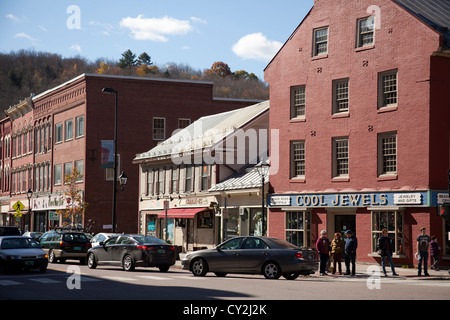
[350, 252]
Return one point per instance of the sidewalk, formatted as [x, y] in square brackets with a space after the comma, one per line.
[363, 271]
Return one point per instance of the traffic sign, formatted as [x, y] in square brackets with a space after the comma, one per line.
[18, 206]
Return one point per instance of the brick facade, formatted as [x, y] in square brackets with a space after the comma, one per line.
[419, 119]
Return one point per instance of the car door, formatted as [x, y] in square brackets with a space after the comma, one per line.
[104, 252]
[118, 250]
[253, 255]
[226, 257]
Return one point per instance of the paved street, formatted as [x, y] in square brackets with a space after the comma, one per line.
[110, 283]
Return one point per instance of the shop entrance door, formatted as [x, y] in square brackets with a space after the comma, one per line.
[344, 222]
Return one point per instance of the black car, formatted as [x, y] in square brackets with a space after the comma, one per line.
[130, 251]
[9, 231]
[271, 257]
[63, 245]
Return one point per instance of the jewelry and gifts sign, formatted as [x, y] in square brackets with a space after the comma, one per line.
[372, 199]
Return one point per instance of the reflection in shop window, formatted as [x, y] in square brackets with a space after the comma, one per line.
[205, 219]
[298, 225]
[393, 222]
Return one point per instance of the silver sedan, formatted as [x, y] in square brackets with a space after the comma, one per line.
[270, 257]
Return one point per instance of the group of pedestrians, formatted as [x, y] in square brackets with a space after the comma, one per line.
[331, 252]
[335, 250]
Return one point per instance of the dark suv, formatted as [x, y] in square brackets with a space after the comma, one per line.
[63, 245]
[9, 231]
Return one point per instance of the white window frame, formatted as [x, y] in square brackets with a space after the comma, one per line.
[365, 30]
[383, 91]
[383, 155]
[339, 157]
[68, 130]
[395, 229]
[305, 229]
[319, 40]
[341, 95]
[57, 174]
[300, 160]
[298, 102]
[79, 129]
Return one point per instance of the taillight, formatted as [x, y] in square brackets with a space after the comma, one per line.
[63, 244]
[172, 248]
[299, 255]
[142, 247]
[88, 245]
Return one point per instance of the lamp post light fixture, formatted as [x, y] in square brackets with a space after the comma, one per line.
[112, 91]
[261, 168]
[123, 178]
[29, 195]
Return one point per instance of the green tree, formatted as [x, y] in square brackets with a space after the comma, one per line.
[128, 60]
[144, 58]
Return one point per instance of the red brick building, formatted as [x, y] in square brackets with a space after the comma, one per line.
[359, 94]
[70, 121]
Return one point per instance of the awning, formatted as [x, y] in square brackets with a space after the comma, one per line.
[180, 213]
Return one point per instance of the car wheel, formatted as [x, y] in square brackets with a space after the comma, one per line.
[220, 274]
[199, 267]
[91, 261]
[271, 270]
[291, 275]
[128, 263]
[163, 268]
[51, 257]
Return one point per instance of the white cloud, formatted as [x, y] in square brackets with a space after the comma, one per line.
[155, 29]
[76, 47]
[25, 36]
[256, 46]
[198, 20]
[12, 17]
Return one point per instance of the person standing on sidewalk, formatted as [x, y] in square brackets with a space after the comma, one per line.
[423, 242]
[351, 245]
[385, 246]
[337, 249]
[435, 251]
[323, 248]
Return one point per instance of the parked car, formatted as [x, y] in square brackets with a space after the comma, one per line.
[9, 231]
[101, 237]
[63, 245]
[18, 252]
[34, 235]
[131, 251]
[270, 257]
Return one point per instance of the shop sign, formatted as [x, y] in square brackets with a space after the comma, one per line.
[349, 199]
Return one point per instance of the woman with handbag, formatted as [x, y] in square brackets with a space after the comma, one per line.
[384, 248]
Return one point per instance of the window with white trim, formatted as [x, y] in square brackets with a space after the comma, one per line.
[298, 159]
[340, 157]
[320, 45]
[298, 102]
[387, 153]
[340, 96]
[366, 32]
[387, 84]
[393, 222]
[298, 226]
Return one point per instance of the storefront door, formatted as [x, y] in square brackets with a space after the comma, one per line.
[344, 222]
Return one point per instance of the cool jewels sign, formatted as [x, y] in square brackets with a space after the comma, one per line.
[348, 199]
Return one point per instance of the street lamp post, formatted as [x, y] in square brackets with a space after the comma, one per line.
[112, 91]
[29, 195]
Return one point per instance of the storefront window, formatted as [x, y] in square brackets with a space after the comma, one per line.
[298, 228]
[447, 236]
[393, 222]
[230, 223]
[205, 219]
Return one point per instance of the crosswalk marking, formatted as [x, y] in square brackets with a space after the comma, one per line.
[116, 278]
[156, 278]
[45, 280]
[9, 283]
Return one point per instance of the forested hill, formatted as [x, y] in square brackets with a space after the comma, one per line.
[24, 72]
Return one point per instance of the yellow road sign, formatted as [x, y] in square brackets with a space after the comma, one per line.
[18, 206]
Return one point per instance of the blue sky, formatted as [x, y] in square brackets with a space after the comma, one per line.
[245, 34]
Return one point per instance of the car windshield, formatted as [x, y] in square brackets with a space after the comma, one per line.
[19, 243]
[75, 237]
[149, 239]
